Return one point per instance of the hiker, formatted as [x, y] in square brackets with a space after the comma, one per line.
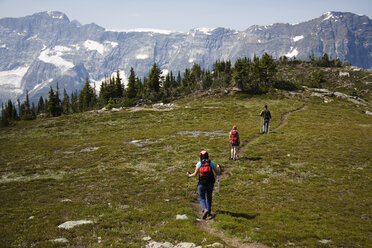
[265, 114]
[234, 142]
[205, 168]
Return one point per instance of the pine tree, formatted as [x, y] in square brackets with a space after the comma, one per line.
[267, 68]
[154, 79]
[8, 114]
[40, 106]
[58, 102]
[87, 98]
[131, 91]
[139, 88]
[52, 103]
[119, 87]
[179, 80]
[167, 86]
[240, 73]
[74, 102]
[66, 103]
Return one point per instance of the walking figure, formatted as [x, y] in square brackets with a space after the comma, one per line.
[205, 168]
[266, 115]
[234, 142]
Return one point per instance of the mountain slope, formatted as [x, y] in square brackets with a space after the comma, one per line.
[38, 50]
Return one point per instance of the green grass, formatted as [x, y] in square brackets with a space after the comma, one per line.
[308, 181]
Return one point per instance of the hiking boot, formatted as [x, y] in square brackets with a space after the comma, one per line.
[210, 216]
[204, 214]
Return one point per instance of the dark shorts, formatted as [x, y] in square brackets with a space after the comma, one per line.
[234, 144]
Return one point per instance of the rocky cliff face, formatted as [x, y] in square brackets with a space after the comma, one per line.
[37, 51]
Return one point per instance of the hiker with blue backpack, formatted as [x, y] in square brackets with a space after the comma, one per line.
[234, 142]
[204, 168]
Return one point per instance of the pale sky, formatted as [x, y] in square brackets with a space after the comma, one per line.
[177, 15]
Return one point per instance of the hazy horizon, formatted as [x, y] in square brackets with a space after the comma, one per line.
[182, 16]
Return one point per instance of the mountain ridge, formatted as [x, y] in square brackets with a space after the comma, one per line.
[38, 50]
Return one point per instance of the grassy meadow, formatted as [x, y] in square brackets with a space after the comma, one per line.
[307, 184]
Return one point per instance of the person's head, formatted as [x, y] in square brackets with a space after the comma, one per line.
[265, 106]
[235, 127]
[203, 155]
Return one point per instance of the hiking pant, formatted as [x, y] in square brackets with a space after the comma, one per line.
[266, 125]
[205, 195]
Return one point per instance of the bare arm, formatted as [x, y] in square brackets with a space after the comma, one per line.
[193, 174]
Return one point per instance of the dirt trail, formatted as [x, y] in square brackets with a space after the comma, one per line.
[207, 225]
[283, 121]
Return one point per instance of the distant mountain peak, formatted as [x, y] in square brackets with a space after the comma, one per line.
[38, 50]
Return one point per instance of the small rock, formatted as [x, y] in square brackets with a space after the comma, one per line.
[218, 245]
[148, 238]
[288, 155]
[89, 149]
[325, 241]
[31, 217]
[99, 240]
[154, 244]
[71, 224]
[167, 200]
[60, 240]
[181, 217]
[66, 200]
[368, 112]
[344, 74]
[185, 245]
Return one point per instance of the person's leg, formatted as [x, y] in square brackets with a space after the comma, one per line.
[265, 126]
[209, 192]
[234, 149]
[202, 193]
[232, 152]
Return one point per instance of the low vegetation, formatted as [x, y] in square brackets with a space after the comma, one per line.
[306, 184]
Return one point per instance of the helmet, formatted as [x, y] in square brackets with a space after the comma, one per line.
[235, 127]
[203, 155]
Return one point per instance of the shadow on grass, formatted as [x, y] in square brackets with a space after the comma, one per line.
[250, 158]
[237, 215]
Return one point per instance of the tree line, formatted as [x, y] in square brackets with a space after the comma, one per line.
[254, 76]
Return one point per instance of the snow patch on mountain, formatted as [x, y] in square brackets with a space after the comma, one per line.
[207, 31]
[3, 46]
[54, 56]
[297, 38]
[94, 45]
[13, 77]
[330, 15]
[40, 86]
[142, 30]
[113, 44]
[55, 14]
[292, 52]
[142, 56]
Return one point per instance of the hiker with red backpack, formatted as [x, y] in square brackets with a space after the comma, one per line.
[204, 168]
[234, 142]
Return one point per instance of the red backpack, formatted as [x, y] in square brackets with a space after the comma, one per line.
[234, 137]
[205, 170]
[206, 176]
